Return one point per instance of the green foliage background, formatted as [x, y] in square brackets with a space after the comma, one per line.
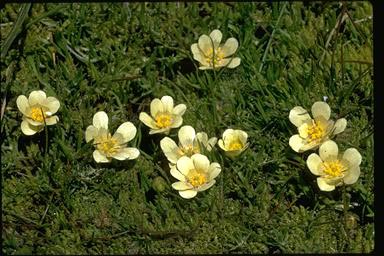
[117, 57]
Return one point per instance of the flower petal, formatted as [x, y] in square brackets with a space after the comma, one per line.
[230, 47]
[167, 103]
[177, 121]
[234, 62]
[127, 153]
[328, 150]
[298, 115]
[179, 185]
[179, 109]
[29, 129]
[205, 44]
[22, 104]
[36, 97]
[198, 55]
[321, 108]
[147, 120]
[162, 130]
[187, 194]
[170, 149]
[99, 157]
[352, 176]
[156, 107]
[186, 135]
[100, 120]
[51, 120]
[216, 37]
[313, 162]
[127, 130]
[214, 170]
[176, 174]
[206, 186]
[296, 142]
[200, 162]
[184, 165]
[211, 143]
[352, 156]
[52, 104]
[221, 144]
[323, 185]
[90, 133]
[340, 126]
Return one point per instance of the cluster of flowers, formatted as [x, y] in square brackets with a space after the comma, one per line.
[333, 168]
[187, 160]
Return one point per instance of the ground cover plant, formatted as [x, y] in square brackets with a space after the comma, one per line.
[279, 176]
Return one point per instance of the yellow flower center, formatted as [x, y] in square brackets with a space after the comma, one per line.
[333, 168]
[107, 145]
[235, 145]
[37, 114]
[196, 178]
[315, 131]
[163, 120]
[189, 150]
[214, 58]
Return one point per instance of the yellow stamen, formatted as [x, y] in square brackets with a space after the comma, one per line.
[235, 145]
[37, 114]
[196, 178]
[333, 168]
[214, 58]
[189, 150]
[163, 120]
[315, 131]
[107, 145]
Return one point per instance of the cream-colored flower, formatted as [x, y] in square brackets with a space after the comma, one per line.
[333, 168]
[107, 146]
[212, 55]
[37, 110]
[195, 174]
[189, 143]
[233, 142]
[313, 132]
[164, 116]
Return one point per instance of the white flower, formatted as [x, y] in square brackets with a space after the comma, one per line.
[107, 146]
[333, 168]
[37, 110]
[313, 132]
[212, 55]
[195, 174]
[233, 142]
[189, 144]
[164, 116]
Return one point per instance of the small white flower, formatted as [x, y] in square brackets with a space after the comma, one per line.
[107, 146]
[233, 142]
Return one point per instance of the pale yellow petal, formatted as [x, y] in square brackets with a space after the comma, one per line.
[162, 130]
[179, 185]
[51, 120]
[187, 194]
[230, 47]
[29, 129]
[198, 55]
[91, 133]
[314, 162]
[147, 120]
[216, 37]
[323, 185]
[179, 109]
[22, 104]
[352, 176]
[321, 108]
[303, 130]
[100, 120]
[127, 153]
[99, 157]
[200, 162]
[176, 174]
[328, 150]
[186, 135]
[36, 98]
[214, 170]
[340, 126]
[298, 115]
[167, 103]
[177, 121]
[206, 186]
[156, 107]
[296, 142]
[184, 165]
[221, 144]
[127, 130]
[234, 62]
[170, 149]
[211, 143]
[205, 44]
[352, 156]
[52, 104]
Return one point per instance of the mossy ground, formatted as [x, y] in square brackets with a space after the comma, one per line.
[117, 57]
